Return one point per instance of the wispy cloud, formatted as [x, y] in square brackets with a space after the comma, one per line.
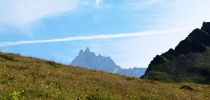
[143, 4]
[22, 13]
[98, 3]
[80, 38]
[183, 13]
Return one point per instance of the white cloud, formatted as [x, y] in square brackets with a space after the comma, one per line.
[166, 14]
[77, 38]
[21, 13]
[184, 13]
[143, 4]
[98, 3]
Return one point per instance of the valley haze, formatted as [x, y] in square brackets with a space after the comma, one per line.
[104, 49]
[46, 20]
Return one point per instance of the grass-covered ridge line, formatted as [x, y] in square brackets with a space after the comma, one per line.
[30, 78]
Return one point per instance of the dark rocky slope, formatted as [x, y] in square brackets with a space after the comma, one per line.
[27, 78]
[189, 61]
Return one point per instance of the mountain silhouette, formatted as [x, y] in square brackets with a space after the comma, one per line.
[189, 61]
[88, 59]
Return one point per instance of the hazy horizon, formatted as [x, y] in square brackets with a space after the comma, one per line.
[131, 32]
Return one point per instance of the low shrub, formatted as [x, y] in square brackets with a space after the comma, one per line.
[93, 97]
[159, 76]
[185, 87]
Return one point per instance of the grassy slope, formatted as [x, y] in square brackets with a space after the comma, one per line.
[30, 78]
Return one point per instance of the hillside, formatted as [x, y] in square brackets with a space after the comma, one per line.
[88, 59]
[188, 62]
[30, 78]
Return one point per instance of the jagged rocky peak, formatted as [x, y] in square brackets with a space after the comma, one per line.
[90, 60]
[80, 52]
[189, 61]
[87, 50]
[206, 27]
[196, 41]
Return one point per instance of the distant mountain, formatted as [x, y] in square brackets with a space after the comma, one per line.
[28, 78]
[90, 60]
[135, 72]
[189, 61]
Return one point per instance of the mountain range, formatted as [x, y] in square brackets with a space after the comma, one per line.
[28, 78]
[37, 79]
[188, 62]
[88, 59]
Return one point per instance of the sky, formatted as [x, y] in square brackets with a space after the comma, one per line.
[131, 32]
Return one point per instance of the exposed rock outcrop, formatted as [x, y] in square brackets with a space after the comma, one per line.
[189, 61]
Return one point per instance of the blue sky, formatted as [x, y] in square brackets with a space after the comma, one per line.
[134, 31]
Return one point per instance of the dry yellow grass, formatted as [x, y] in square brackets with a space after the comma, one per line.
[30, 78]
